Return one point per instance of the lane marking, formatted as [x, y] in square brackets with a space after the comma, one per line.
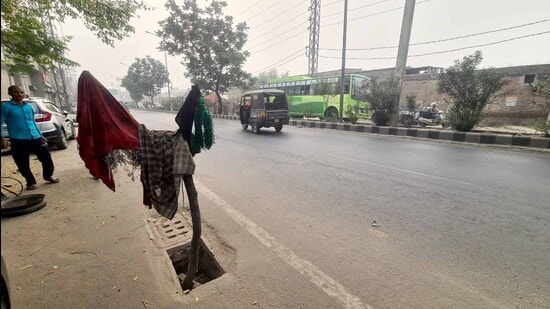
[314, 274]
[404, 170]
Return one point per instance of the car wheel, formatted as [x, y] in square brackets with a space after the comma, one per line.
[278, 127]
[255, 128]
[73, 132]
[62, 142]
[245, 126]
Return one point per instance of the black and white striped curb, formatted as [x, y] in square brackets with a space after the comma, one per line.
[447, 135]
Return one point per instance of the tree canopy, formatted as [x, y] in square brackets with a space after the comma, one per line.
[145, 78]
[470, 90]
[26, 26]
[211, 46]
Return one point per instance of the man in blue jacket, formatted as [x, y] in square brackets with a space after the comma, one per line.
[25, 137]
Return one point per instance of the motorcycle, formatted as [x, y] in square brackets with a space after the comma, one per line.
[409, 119]
[438, 120]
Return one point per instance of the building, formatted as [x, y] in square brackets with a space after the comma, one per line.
[511, 106]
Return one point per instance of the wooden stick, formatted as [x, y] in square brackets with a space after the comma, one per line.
[195, 240]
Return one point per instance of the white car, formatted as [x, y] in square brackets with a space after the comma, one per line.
[52, 122]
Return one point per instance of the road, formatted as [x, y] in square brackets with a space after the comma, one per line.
[289, 218]
[459, 226]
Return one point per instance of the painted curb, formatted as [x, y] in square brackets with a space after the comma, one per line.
[447, 135]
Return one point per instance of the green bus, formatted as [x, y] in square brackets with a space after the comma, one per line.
[320, 97]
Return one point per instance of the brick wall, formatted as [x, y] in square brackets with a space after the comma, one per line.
[511, 106]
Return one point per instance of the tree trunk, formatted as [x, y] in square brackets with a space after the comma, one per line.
[220, 105]
[187, 282]
[547, 126]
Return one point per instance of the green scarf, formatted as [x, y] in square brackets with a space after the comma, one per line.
[204, 128]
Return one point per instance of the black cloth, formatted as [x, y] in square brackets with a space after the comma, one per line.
[186, 114]
[21, 150]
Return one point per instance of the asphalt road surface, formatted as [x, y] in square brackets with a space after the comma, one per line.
[459, 226]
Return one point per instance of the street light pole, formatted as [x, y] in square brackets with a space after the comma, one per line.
[163, 42]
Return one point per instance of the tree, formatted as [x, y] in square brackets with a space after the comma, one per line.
[145, 77]
[470, 90]
[211, 46]
[541, 97]
[381, 96]
[26, 37]
[410, 103]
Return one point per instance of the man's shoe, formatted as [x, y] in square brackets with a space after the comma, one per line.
[31, 187]
[53, 180]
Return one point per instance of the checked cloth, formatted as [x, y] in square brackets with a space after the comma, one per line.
[165, 158]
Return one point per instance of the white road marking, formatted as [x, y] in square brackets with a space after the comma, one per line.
[314, 274]
[404, 170]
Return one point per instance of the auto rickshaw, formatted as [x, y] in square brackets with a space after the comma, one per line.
[263, 108]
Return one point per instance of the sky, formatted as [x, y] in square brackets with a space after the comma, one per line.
[278, 35]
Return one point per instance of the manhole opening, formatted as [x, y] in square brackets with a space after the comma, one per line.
[208, 270]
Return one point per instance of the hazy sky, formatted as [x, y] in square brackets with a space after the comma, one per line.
[278, 35]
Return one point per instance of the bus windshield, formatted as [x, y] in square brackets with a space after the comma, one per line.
[360, 88]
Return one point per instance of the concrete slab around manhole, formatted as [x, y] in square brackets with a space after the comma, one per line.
[167, 233]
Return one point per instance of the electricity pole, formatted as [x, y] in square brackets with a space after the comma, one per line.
[341, 118]
[402, 53]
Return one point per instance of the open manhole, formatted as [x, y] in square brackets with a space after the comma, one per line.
[208, 270]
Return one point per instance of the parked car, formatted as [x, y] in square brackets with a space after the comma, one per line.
[53, 123]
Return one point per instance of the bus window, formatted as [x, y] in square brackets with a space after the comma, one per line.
[346, 84]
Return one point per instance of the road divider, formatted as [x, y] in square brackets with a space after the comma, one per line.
[425, 133]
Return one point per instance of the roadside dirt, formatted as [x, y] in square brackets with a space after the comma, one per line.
[92, 248]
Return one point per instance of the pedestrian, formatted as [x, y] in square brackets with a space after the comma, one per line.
[25, 137]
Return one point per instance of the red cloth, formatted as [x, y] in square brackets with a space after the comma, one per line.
[103, 126]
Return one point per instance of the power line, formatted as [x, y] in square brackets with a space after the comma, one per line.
[276, 17]
[290, 37]
[269, 40]
[267, 8]
[248, 8]
[370, 15]
[284, 40]
[447, 51]
[482, 45]
[280, 34]
[447, 39]
[357, 8]
[300, 14]
[331, 3]
[297, 54]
